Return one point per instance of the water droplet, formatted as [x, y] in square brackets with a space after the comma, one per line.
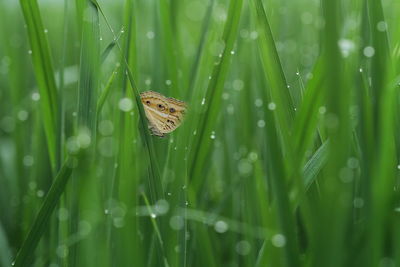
[261, 123]
[106, 127]
[398, 166]
[381, 26]
[62, 251]
[125, 104]
[369, 51]
[209, 77]
[361, 70]
[101, 38]
[278, 240]
[22, 115]
[203, 101]
[176, 222]
[194, 132]
[346, 46]
[28, 160]
[232, 52]
[297, 73]
[30, 52]
[358, 202]
[153, 215]
[46, 30]
[147, 81]
[238, 85]
[40, 193]
[258, 102]
[254, 35]
[212, 136]
[162, 206]
[221, 227]
[150, 35]
[168, 82]
[322, 110]
[271, 106]
[243, 247]
[35, 96]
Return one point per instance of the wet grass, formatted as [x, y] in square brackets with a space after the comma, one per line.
[288, 155]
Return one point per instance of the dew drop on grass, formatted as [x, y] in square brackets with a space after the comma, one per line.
[106, 127]
[194, 132]
[22, 115]
[398, 167]
[369, 51]
[162, 206]
[271, 106]
[221, 226]
[232, 52]
[28, 160]
[147, 82]
[361, 70]
[258, 102]
[40, 193]
[176, 222]
[278, 240]
[203, 101]
[322, 110]
[125, 104]
[212, 136]
[168, 82]
[62, 214]
[46, 30]
[261, 123]
[150, 35]
[30, 52]
[243, 247]
[381, 26]
[35, 96]
[153, 215]
[358, 202]
[62, 251]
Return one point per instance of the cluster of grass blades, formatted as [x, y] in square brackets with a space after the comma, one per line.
[288, 154]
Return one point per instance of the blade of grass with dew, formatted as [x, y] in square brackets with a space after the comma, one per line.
[279, 92]
[211, 103]
[38, 228]
[156, 189]
[315, 164]
[44, 73]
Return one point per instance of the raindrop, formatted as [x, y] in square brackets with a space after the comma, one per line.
[261, 123]
[203, 101]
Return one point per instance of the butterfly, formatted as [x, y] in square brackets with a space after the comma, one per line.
[165, 114]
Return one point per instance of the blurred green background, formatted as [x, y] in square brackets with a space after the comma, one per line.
[288, 154]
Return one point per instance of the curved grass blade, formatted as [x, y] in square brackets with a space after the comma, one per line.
[44, 73]
[39, 226]
[156, 189]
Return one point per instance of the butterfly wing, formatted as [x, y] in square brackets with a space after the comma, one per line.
[164, 114]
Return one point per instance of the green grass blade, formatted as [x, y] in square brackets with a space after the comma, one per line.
[40, 224]
[274, 74]
[44, 73]
[211, 103]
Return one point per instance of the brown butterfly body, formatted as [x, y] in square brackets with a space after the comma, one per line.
[165, 114]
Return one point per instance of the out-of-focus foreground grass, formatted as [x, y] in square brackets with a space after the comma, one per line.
[288, 155]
